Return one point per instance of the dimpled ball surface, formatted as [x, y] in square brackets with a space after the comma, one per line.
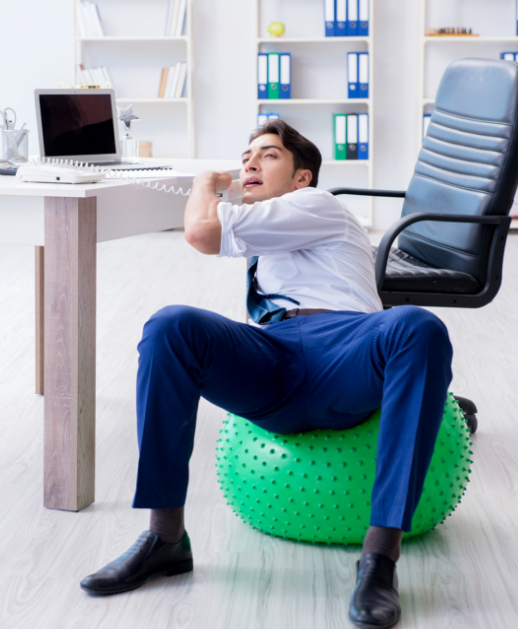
[316, 486]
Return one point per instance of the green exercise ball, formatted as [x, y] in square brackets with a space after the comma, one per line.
[316, 486]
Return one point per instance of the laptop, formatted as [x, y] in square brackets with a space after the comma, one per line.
[81, 125]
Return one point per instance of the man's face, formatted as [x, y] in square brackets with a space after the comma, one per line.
[267, 170]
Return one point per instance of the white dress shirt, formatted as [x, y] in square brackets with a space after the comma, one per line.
[311, 247]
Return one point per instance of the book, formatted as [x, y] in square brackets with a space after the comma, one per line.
[174, 80]
[108, 76]
[170, 6]
[181, 18]
[180, 87]
[86, 18]
[87, 76]
[98, 22]
[81, 26]
[163, 81]
[175, 7]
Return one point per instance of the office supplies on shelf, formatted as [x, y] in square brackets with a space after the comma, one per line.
[262, 75]
[352, 75]
[352, 136]
[181, 84]
[352, 18]
[163, 82]
[276, 29]
[508, 56]
[450, 32]
[340, 136]
[363, 75]
[341, 18]
[330, 18]
[7, 121]
[273, 75]
[175, 18]
[89, 20]
[426, 122]
[363, 136]
[363, 18]
[285, 75]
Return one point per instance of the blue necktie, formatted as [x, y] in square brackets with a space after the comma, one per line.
[259, 306]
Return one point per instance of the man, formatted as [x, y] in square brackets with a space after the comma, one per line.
[327, 363]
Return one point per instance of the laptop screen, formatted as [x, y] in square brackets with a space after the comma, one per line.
[77, 124]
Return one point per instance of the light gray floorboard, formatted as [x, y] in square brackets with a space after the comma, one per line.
[462, 575]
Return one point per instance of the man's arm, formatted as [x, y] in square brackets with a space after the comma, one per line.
[201, 222]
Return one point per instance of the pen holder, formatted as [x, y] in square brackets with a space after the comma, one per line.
[15, 145]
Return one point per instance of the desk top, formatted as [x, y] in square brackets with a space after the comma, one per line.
[184, 171]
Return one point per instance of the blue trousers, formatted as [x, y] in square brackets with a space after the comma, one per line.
[329, 370]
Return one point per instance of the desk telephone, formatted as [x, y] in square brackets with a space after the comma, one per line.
[69, 172]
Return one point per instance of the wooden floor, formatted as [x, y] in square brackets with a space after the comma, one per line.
[462, 575]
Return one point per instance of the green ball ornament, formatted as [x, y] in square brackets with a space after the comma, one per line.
[316, 486]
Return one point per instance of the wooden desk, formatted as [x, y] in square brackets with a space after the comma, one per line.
[65, 223]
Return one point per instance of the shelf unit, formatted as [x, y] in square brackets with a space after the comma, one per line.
[482, 45]
[176, 49]
[312, 115]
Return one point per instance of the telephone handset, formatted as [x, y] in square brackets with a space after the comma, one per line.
[234, 191]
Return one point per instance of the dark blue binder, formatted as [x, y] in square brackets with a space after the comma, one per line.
[285, 63]
[352, 18]
[330, 17]
[363, 17]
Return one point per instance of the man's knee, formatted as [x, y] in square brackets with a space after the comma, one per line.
[170, 322]
[418, 325]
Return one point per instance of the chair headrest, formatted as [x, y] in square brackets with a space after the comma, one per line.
[483, 89]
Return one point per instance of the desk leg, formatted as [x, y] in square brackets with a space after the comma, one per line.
[40, 317]
[70, 311]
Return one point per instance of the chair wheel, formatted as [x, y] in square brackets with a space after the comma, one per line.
[472, 422]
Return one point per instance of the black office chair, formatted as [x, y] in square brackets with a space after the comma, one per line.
[454, 222]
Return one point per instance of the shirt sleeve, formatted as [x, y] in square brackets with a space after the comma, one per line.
[303, 219]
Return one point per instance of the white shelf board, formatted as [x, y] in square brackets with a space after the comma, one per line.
[346, 162]
[127, 99]
[310, 40]
[312, 101]
[456, 38]
[514, 223]
[123, 38]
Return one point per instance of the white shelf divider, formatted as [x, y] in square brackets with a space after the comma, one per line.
[81, 42]
[323, 43]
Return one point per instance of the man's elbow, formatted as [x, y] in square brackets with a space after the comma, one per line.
[205, 242]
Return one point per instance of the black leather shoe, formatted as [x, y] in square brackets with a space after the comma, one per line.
[149, 555]
[375, 601]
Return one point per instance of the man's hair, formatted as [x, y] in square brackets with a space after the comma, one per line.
[305, 153]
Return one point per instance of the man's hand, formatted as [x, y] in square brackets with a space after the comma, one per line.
[202, 226]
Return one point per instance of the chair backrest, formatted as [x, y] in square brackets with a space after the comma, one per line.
[468, 165]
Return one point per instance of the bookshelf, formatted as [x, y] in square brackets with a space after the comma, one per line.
[135, 51]
[496, 29]
[318, 88]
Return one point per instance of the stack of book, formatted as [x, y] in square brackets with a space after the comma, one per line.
[346, 18]
[358, 74]
[94, 76]
[351, 136]
[89, 20]
[274, 75]
[176, 18]
[173, 81]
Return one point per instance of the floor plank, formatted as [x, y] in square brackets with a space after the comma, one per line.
[462, 575]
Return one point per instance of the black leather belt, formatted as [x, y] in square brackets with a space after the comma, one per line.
[290, 314]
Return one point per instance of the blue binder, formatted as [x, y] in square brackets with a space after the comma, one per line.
[341, 18]
[285, 63]
[507, 56]
[330, 17]
[363, 75]
[363, 136]
[353, 90]
[273, 116]
[262, 75]
[261, 119]
[363, 18]
[352, 18]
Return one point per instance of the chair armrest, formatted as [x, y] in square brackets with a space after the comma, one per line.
[502, 223]
[364, 192]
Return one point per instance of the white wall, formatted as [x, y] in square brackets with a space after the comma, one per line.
[40, 54]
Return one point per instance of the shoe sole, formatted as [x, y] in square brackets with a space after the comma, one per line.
[369, 625]
[179, 568]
